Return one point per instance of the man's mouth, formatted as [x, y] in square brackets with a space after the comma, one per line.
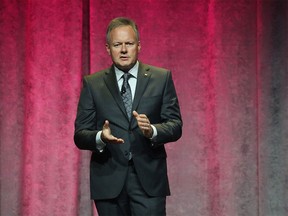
[124, 57]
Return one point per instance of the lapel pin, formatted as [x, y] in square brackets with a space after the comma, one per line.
[146, 74]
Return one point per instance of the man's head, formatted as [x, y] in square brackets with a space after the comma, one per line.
[122, 43]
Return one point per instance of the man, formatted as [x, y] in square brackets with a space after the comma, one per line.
[128, 170]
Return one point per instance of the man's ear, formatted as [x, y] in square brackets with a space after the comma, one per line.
[139, 46]
[108, 49]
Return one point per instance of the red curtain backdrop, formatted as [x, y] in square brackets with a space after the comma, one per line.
[229, 63]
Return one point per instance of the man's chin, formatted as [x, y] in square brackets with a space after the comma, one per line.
[125, 67]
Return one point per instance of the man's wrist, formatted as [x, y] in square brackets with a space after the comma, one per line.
[154, 132]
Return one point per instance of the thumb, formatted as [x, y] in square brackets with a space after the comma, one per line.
[135, 114]
[106, 124]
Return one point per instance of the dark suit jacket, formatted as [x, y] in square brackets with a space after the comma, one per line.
[100, 99]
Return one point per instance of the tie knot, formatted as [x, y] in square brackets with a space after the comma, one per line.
[126, 76]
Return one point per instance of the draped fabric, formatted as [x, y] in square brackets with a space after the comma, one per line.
[229, 64]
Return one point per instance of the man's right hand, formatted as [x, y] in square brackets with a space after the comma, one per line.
[107, 137]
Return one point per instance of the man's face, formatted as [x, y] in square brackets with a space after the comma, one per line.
[123, 47]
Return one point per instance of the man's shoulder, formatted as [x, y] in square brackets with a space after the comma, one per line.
[98, 74]
[153, 68]
[159, 73]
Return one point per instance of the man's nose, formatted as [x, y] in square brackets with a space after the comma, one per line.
[123, 48]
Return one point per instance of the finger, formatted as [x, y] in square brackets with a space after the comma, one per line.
[144, 120]
[120, 141]
[116, 140]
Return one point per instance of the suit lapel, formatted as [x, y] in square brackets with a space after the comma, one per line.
[112, 85]
[142, 82]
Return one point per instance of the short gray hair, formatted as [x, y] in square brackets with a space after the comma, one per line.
[121, 21]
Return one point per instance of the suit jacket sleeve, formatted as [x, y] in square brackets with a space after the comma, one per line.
[170, 128]
[85, 123]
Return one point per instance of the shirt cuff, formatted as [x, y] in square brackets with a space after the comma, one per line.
[154, 133]
[100, 145]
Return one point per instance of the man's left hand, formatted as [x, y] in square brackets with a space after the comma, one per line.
[144, 124]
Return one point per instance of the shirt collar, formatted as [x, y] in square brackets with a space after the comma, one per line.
[133, 71]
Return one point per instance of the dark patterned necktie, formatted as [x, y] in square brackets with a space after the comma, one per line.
[126, 94]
